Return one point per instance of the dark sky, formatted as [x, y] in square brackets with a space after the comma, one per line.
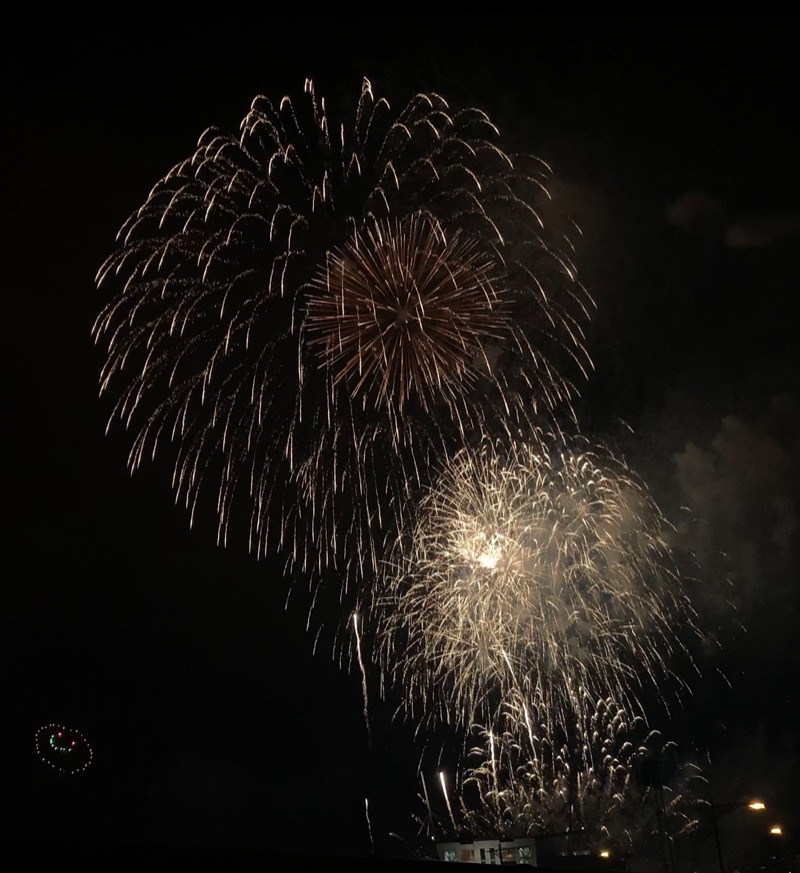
[674, 141]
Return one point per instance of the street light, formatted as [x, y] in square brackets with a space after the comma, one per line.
[714, 808]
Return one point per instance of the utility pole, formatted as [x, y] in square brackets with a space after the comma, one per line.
[650, 772]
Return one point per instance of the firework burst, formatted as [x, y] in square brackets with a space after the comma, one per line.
[403, 312]
[539, 572]
[311, 313]
[597, 784]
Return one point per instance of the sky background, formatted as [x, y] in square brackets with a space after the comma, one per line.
[673, 142]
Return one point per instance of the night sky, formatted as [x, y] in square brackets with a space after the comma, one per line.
[673, 141]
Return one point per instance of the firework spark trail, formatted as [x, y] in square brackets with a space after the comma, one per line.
[369, 825]
[310, 314]
[429, 812]
[443, 783]
[533, 572]
[364, 688]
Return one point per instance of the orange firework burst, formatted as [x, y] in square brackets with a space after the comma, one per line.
[403, 312]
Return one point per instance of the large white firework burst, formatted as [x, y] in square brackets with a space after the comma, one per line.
[312, 312]
[535, 571]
